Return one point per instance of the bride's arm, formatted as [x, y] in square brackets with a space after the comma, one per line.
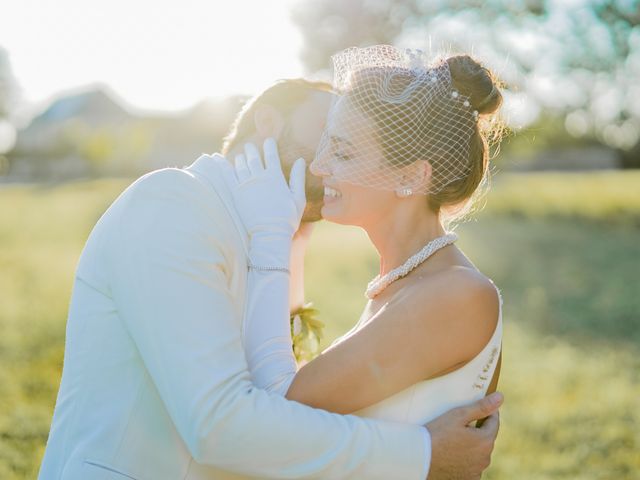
[298, 250]
[432, 330]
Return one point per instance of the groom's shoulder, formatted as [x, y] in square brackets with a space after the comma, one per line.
[196, 179]
[178, 184]
[167, 193]
[166, 178]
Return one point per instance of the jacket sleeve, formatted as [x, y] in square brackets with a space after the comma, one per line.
[170, 280]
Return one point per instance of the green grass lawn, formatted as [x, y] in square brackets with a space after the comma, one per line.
[563, 248]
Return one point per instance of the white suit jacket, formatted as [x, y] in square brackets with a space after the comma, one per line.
[155, 383]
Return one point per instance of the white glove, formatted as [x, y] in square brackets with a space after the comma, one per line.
[270, 208]
[271, 211]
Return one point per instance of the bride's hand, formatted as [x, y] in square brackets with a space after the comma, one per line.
[262, 197]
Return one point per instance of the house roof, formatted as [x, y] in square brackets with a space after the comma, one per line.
[93, 104]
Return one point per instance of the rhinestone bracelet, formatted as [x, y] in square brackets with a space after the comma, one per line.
[268, 269]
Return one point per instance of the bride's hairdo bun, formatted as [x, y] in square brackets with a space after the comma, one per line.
[476, 82]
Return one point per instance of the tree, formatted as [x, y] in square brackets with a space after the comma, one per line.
[8, 94]
[8, 86]
[578, 62]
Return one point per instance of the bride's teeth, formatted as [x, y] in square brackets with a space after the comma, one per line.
[330, 192]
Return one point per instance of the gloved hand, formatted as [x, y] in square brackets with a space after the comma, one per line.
[270, 208]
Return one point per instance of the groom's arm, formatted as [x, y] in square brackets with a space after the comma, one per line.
[171, 282]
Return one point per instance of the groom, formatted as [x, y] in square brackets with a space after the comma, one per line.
[155, 383]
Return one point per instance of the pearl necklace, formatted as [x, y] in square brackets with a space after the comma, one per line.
[378, 284]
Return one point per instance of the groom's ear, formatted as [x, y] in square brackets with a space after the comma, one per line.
[268, 121]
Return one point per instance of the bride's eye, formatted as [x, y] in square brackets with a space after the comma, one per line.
[337, 149]
[343, 157]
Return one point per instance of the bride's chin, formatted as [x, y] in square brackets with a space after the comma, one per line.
[332, 216]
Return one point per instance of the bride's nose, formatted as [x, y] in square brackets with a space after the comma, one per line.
[320, 165]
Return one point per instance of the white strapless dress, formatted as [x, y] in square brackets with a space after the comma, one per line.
[426, 400]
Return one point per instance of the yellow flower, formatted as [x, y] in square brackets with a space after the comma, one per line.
[297, 325]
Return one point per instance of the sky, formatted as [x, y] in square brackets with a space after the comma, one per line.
[155, 55]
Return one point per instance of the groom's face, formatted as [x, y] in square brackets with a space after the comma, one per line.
[300, 138]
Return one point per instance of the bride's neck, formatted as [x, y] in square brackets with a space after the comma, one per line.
[403, 233]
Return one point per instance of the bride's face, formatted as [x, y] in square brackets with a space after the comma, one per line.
[350, 150]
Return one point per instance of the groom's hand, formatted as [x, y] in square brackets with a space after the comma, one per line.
[460, 451]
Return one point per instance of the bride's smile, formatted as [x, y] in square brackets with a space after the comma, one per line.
[330, 194]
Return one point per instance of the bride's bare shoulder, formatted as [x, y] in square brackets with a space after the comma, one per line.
[459, 301]
[457, 284]
[462, 283]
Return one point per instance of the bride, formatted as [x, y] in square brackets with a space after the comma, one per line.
[403, 152]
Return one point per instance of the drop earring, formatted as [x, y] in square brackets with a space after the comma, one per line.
[404, 192]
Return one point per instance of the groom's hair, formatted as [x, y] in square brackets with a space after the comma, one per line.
[284, 95]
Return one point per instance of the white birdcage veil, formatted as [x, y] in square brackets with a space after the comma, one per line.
[398, 111]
